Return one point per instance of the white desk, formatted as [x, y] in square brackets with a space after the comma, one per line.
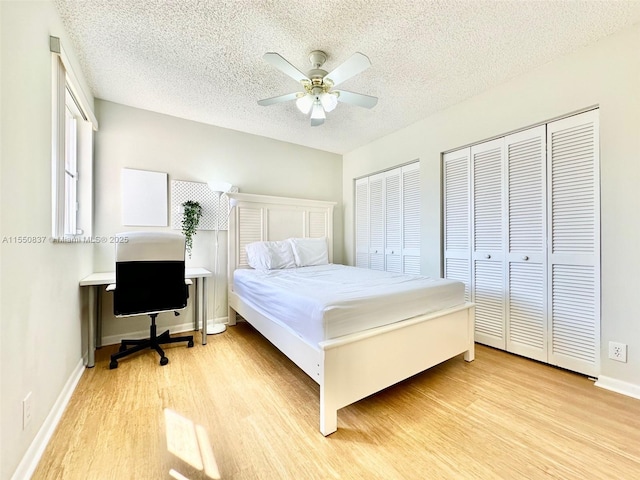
[99, 280]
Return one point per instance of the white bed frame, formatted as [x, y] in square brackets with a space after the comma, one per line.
[354, 366]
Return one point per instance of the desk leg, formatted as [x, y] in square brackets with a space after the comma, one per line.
[196, 305]
[202, 293]
[98, 334]
[91, 330]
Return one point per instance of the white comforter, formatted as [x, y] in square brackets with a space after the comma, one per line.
[328, 301]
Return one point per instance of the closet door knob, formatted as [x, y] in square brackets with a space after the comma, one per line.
[525, 258]
[487, 256]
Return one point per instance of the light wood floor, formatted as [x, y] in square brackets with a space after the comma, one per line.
[500, 416]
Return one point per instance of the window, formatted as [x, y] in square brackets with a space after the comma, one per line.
[70, 167]
[72, 152]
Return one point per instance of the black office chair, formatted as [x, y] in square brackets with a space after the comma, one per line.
[149, 280]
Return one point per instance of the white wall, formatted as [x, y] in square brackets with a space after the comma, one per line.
[41, 327]
[605, 74]
[186, 150]
[42, 310]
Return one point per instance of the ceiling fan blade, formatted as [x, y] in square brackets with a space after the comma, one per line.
[282, 98]
[285, 67]
[359, 99]
[317, 121]
[355, 64]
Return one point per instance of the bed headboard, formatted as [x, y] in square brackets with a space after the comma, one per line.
[256, 218]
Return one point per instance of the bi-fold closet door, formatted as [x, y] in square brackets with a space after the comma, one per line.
[508, 237]
[525, 244]
[456, 211]
[573, 223]
[521, 230]
[487, 242]
[387, 223]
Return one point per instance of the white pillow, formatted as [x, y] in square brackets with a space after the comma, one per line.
[310, 251]
[270, 255]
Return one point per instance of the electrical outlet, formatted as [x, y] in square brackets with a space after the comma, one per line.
[618, 351]
[26, 411]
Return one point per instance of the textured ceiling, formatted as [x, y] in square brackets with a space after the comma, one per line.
[202, 60]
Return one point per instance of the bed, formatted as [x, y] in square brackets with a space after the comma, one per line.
[349, 363]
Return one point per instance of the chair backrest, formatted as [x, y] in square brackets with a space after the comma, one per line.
[149, 273]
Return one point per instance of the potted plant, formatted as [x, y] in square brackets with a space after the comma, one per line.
[192, 211]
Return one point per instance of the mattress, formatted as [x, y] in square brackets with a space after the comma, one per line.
[328, 301]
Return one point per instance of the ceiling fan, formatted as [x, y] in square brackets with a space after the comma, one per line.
[318, 95]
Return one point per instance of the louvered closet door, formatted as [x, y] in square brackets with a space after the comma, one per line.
[526, 313]
[376, 221]
[362, 222]
[456, 216]
[393, 220]
[411, 218]
[488, 289]
[574, 238]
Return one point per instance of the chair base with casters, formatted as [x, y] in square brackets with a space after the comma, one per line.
[154, 341]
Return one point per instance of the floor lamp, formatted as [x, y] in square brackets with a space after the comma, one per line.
[216, 327]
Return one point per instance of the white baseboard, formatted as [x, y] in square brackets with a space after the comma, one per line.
[178, 328]
[618, 386]
[30, 460]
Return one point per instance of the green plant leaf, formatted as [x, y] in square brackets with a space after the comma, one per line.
[190, 221]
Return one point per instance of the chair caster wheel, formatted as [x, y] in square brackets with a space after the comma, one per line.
[190, 344]
[164, 361]
[113, 364]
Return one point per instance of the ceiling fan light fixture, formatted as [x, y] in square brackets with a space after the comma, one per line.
[318, 112]
[317, 96]
[328, 101]
[305, 103]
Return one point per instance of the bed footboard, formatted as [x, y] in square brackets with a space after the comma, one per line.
[359, 365]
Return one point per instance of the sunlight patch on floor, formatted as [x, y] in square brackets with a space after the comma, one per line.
[190, 443]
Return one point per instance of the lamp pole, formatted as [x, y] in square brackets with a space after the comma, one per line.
[216, 327]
